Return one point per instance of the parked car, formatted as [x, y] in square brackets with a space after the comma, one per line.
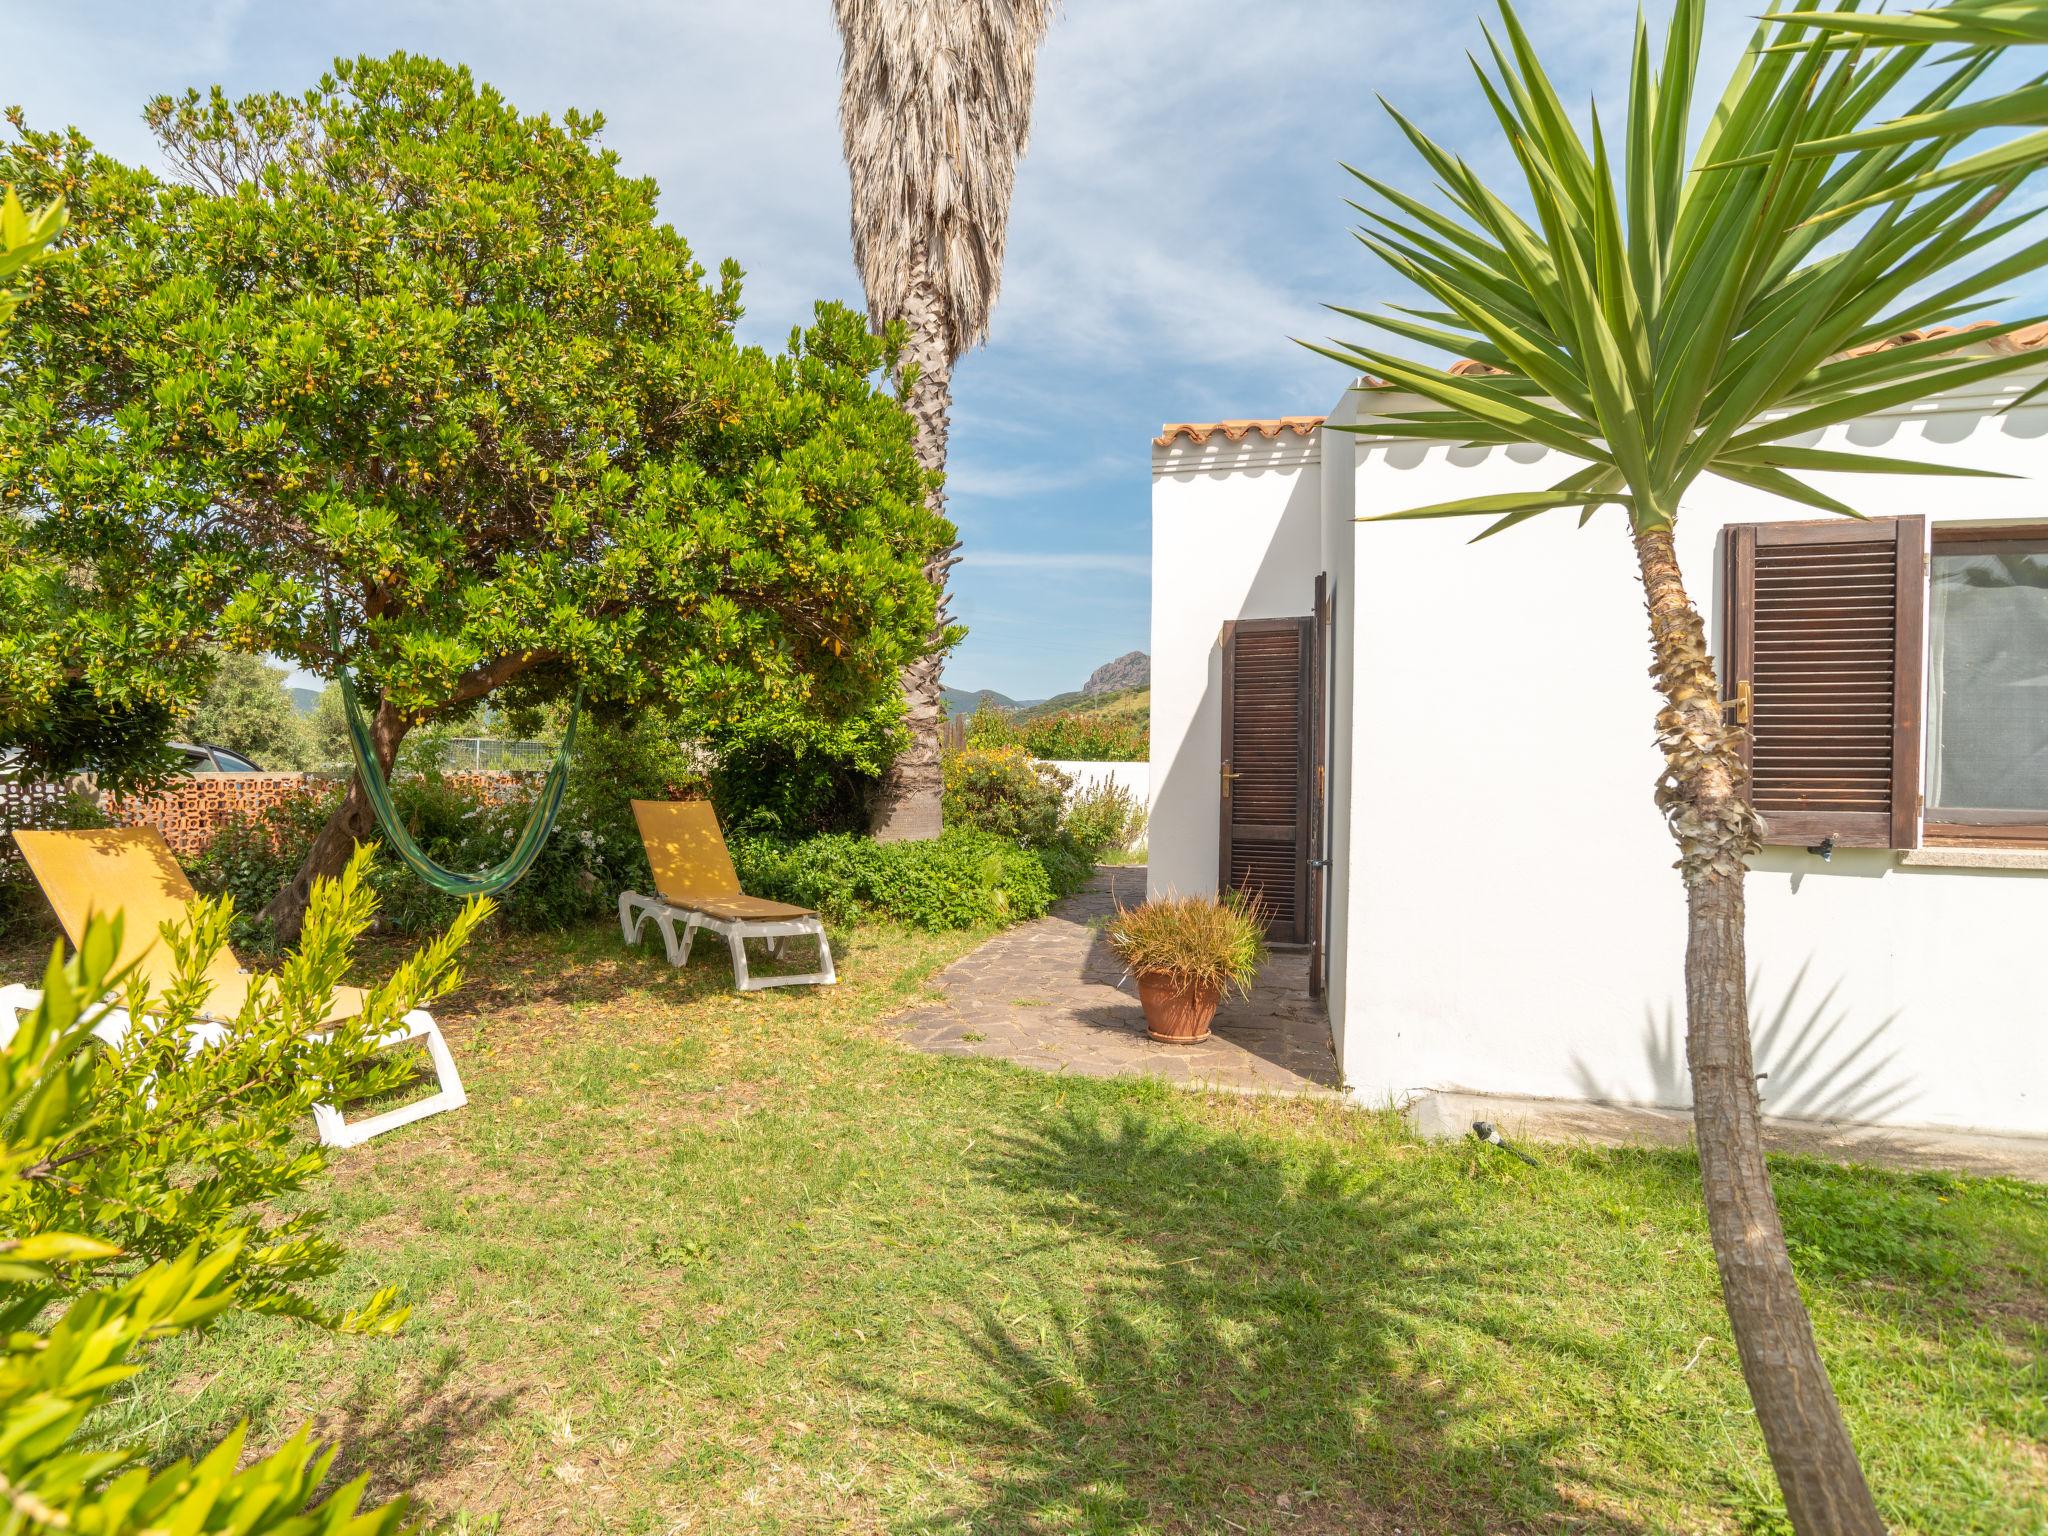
[205, 759]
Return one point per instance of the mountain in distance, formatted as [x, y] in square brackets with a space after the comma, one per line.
[304, 700]
[1127, 674]
[960, 702]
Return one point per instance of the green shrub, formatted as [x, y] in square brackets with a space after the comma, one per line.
[962, 879]
[777, 789]
[1088, 738]
[184, 1193]
[1001, 789]
[1104, 817]
[251, 857]
[1114, 734]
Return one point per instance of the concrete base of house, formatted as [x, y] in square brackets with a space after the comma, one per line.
[1445, 1116]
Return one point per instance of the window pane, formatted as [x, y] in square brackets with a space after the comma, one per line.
[1988, 714]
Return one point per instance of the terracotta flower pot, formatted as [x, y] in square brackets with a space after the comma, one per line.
[1175, 1014]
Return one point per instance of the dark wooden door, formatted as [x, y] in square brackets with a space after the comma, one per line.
[1268, 709]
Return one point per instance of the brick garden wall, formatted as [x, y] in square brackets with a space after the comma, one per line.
[191, 810]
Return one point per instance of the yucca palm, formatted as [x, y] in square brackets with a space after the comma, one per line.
[934, 108]
[1667, 316]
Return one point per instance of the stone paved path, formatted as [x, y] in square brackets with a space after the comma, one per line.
[1047, 994]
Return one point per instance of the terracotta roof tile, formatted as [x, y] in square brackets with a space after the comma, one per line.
[1237, 430]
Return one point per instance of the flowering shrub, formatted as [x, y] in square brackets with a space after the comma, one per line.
[1001, 789]
[1115, 735]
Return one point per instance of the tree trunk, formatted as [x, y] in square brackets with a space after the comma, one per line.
[351, 822]
[1704, 794]
[907, 805]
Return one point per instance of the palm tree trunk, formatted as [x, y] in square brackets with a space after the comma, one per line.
[350, 822]
[1703, 793]
[907, 804]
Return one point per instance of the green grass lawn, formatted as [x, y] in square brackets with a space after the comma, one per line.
[695, 1262]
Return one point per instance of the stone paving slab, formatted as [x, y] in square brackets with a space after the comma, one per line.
[1049, 994]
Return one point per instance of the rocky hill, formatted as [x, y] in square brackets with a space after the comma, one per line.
[1133, 669]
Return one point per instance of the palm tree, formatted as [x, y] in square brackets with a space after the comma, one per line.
[1673, 313]
[935, 108]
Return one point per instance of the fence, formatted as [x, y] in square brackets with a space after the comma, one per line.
[190, 811]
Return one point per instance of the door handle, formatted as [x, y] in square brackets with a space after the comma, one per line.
[1227, 777]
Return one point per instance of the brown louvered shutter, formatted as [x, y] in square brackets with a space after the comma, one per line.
[1824, 636]
[1266, 707]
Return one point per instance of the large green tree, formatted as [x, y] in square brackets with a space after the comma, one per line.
[246, 710]
[393, 377]
[1686, 302]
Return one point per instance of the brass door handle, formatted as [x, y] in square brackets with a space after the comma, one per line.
[1227, 777]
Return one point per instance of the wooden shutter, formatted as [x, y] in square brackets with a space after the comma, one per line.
[1824, 635]
[1265, 768]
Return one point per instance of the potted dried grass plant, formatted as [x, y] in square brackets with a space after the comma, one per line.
[1186, 951]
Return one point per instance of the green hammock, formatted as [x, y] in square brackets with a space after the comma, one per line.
[488, 882]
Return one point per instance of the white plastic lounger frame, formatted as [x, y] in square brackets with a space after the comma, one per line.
[636, 910]
[335, 1129]
[699, 888]
[74, 868]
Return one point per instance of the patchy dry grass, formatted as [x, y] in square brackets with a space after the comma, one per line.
[698, 1262]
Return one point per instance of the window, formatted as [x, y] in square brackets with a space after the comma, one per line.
[1841, 638]
[1987, 686]
[231, 762]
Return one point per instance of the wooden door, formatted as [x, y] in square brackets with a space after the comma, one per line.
[1268, 708]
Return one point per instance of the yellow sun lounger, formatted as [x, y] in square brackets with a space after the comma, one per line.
[697, 885]
[132, 869]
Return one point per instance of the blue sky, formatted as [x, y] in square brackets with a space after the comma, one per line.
[1179, 216]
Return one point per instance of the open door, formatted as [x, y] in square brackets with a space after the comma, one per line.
[1268, 730]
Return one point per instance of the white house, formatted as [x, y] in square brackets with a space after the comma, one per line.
[1462, 821]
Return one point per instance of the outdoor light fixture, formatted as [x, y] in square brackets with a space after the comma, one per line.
[1825, 848]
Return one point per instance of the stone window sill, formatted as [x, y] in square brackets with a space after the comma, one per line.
[1975, 858]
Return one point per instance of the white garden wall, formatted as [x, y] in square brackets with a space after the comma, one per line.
[1135, 779]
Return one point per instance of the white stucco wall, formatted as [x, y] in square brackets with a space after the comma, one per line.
[1514, 925]
[1505, 917]
[1236, 534]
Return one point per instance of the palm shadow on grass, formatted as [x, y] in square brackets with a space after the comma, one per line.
[1252, 1367]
